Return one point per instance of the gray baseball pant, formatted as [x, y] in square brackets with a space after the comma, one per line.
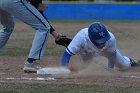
[25, 12]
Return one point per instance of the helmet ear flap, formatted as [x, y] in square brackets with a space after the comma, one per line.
[98, 33]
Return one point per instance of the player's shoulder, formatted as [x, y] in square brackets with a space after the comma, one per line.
[83, 32]
[112, 40]
[111, 35]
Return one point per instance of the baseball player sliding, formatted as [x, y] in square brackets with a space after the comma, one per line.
[33, 16]
[94, 41]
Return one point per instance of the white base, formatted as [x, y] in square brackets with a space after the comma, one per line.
[54, 70]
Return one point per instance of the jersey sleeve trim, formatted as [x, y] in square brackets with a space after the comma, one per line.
[69, 51]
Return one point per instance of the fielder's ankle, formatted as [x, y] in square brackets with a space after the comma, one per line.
[31, 60]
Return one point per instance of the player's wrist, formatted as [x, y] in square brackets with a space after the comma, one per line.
[42, 7]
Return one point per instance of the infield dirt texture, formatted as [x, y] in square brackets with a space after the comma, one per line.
[96, 72]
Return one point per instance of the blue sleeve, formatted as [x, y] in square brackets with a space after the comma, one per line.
[65, 59]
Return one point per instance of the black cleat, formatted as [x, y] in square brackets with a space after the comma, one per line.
[134, 63]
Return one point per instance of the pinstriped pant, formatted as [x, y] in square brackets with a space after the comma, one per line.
[25, 12]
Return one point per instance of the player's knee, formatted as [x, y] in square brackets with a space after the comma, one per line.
[4, 36]
[124, 68]
[3, 42]
[42, 28]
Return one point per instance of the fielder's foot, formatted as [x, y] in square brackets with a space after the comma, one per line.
[31, 67]
[134, 63]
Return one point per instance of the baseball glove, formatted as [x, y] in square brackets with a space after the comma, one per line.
[63, 40]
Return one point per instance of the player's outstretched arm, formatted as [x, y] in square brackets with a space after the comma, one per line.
[65, 59]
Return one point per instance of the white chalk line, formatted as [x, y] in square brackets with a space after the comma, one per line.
[26, 78]
[2, 73]
[132, 76]
[52, 78]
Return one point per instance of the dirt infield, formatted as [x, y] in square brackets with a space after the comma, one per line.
[128, 38]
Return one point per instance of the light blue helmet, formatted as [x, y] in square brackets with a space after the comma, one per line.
[98, 33]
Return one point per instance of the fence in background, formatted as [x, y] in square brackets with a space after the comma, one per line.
[93, 11]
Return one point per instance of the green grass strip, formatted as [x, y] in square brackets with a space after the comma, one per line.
[63, 88]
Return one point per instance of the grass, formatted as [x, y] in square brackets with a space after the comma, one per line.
[23, 51]
[63, 88]
[21, 39]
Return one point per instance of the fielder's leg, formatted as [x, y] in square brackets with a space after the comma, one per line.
[8, 25]
[24, 11]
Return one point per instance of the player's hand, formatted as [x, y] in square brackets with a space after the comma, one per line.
[42, 7]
